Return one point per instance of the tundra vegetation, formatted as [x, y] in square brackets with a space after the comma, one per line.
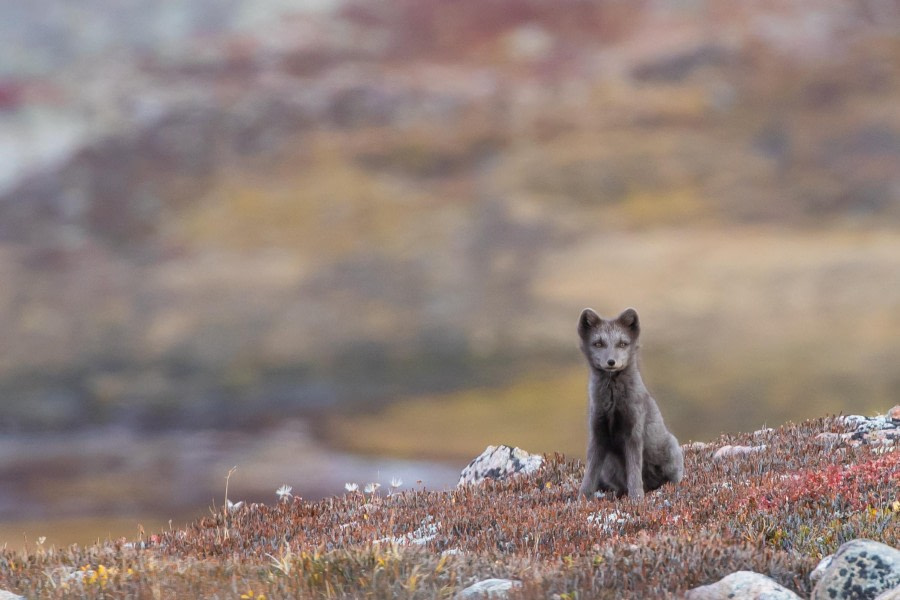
[776, 511]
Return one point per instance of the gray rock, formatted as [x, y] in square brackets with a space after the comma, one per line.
[611, 521]
[894, 413]
[820, 569]
[863, 424]
[832, 437]
[860, 570]
[882, 429]
[489, 588]
[696, 446]
[764, 432]
[742, 585]
[729, 451]
[421, 536]
[500, 462]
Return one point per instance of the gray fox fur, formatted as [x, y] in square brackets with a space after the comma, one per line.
[629, 448]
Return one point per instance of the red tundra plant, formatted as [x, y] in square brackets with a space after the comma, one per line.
[851, 486]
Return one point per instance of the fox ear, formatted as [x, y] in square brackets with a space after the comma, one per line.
[588, 321]
[629, 320]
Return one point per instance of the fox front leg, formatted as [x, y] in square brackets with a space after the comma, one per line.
[591, 481]
[634, 465]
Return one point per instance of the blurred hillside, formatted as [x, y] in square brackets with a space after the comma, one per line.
[410, 197]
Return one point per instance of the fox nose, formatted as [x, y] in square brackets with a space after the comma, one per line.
[611, 362]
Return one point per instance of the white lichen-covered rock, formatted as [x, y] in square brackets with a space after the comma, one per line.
[742, 585]
[4, 595]
[696, 446]
[881, 430]
[729, 451]
[421, 536]
[861, 423]
[489, 588]
[609, 521]
[820, 569]
[764, 432]
[831, 437]
[500, 462]
[860, 569]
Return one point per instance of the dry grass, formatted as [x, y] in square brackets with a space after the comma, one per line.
[776, 514]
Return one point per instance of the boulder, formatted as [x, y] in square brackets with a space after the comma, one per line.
[696, 446]
[500, 462]
[742, 585]
[881, 429]
[894, 413]
[860, 570]
[729, 451]
[489, 588]
[820, 569]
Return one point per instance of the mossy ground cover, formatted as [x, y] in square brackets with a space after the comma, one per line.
[776, 511]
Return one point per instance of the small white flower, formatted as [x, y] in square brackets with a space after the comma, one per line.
[351, 487]
[371, 487]
[396, 482]
[284, 492]
[41, 540]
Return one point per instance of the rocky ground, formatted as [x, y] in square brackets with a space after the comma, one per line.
[741, 525]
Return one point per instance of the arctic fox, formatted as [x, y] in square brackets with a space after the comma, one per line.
[629, 448]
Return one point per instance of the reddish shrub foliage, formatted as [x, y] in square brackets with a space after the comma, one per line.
[775, 511]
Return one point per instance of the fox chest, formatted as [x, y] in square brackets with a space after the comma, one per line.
[613, 429]
[612, 420]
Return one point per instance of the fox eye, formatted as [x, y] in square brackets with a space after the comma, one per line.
[623, 344]
[599, 344]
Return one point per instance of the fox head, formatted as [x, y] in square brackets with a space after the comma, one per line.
[609, 345]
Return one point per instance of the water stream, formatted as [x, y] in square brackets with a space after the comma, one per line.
[104, 483]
